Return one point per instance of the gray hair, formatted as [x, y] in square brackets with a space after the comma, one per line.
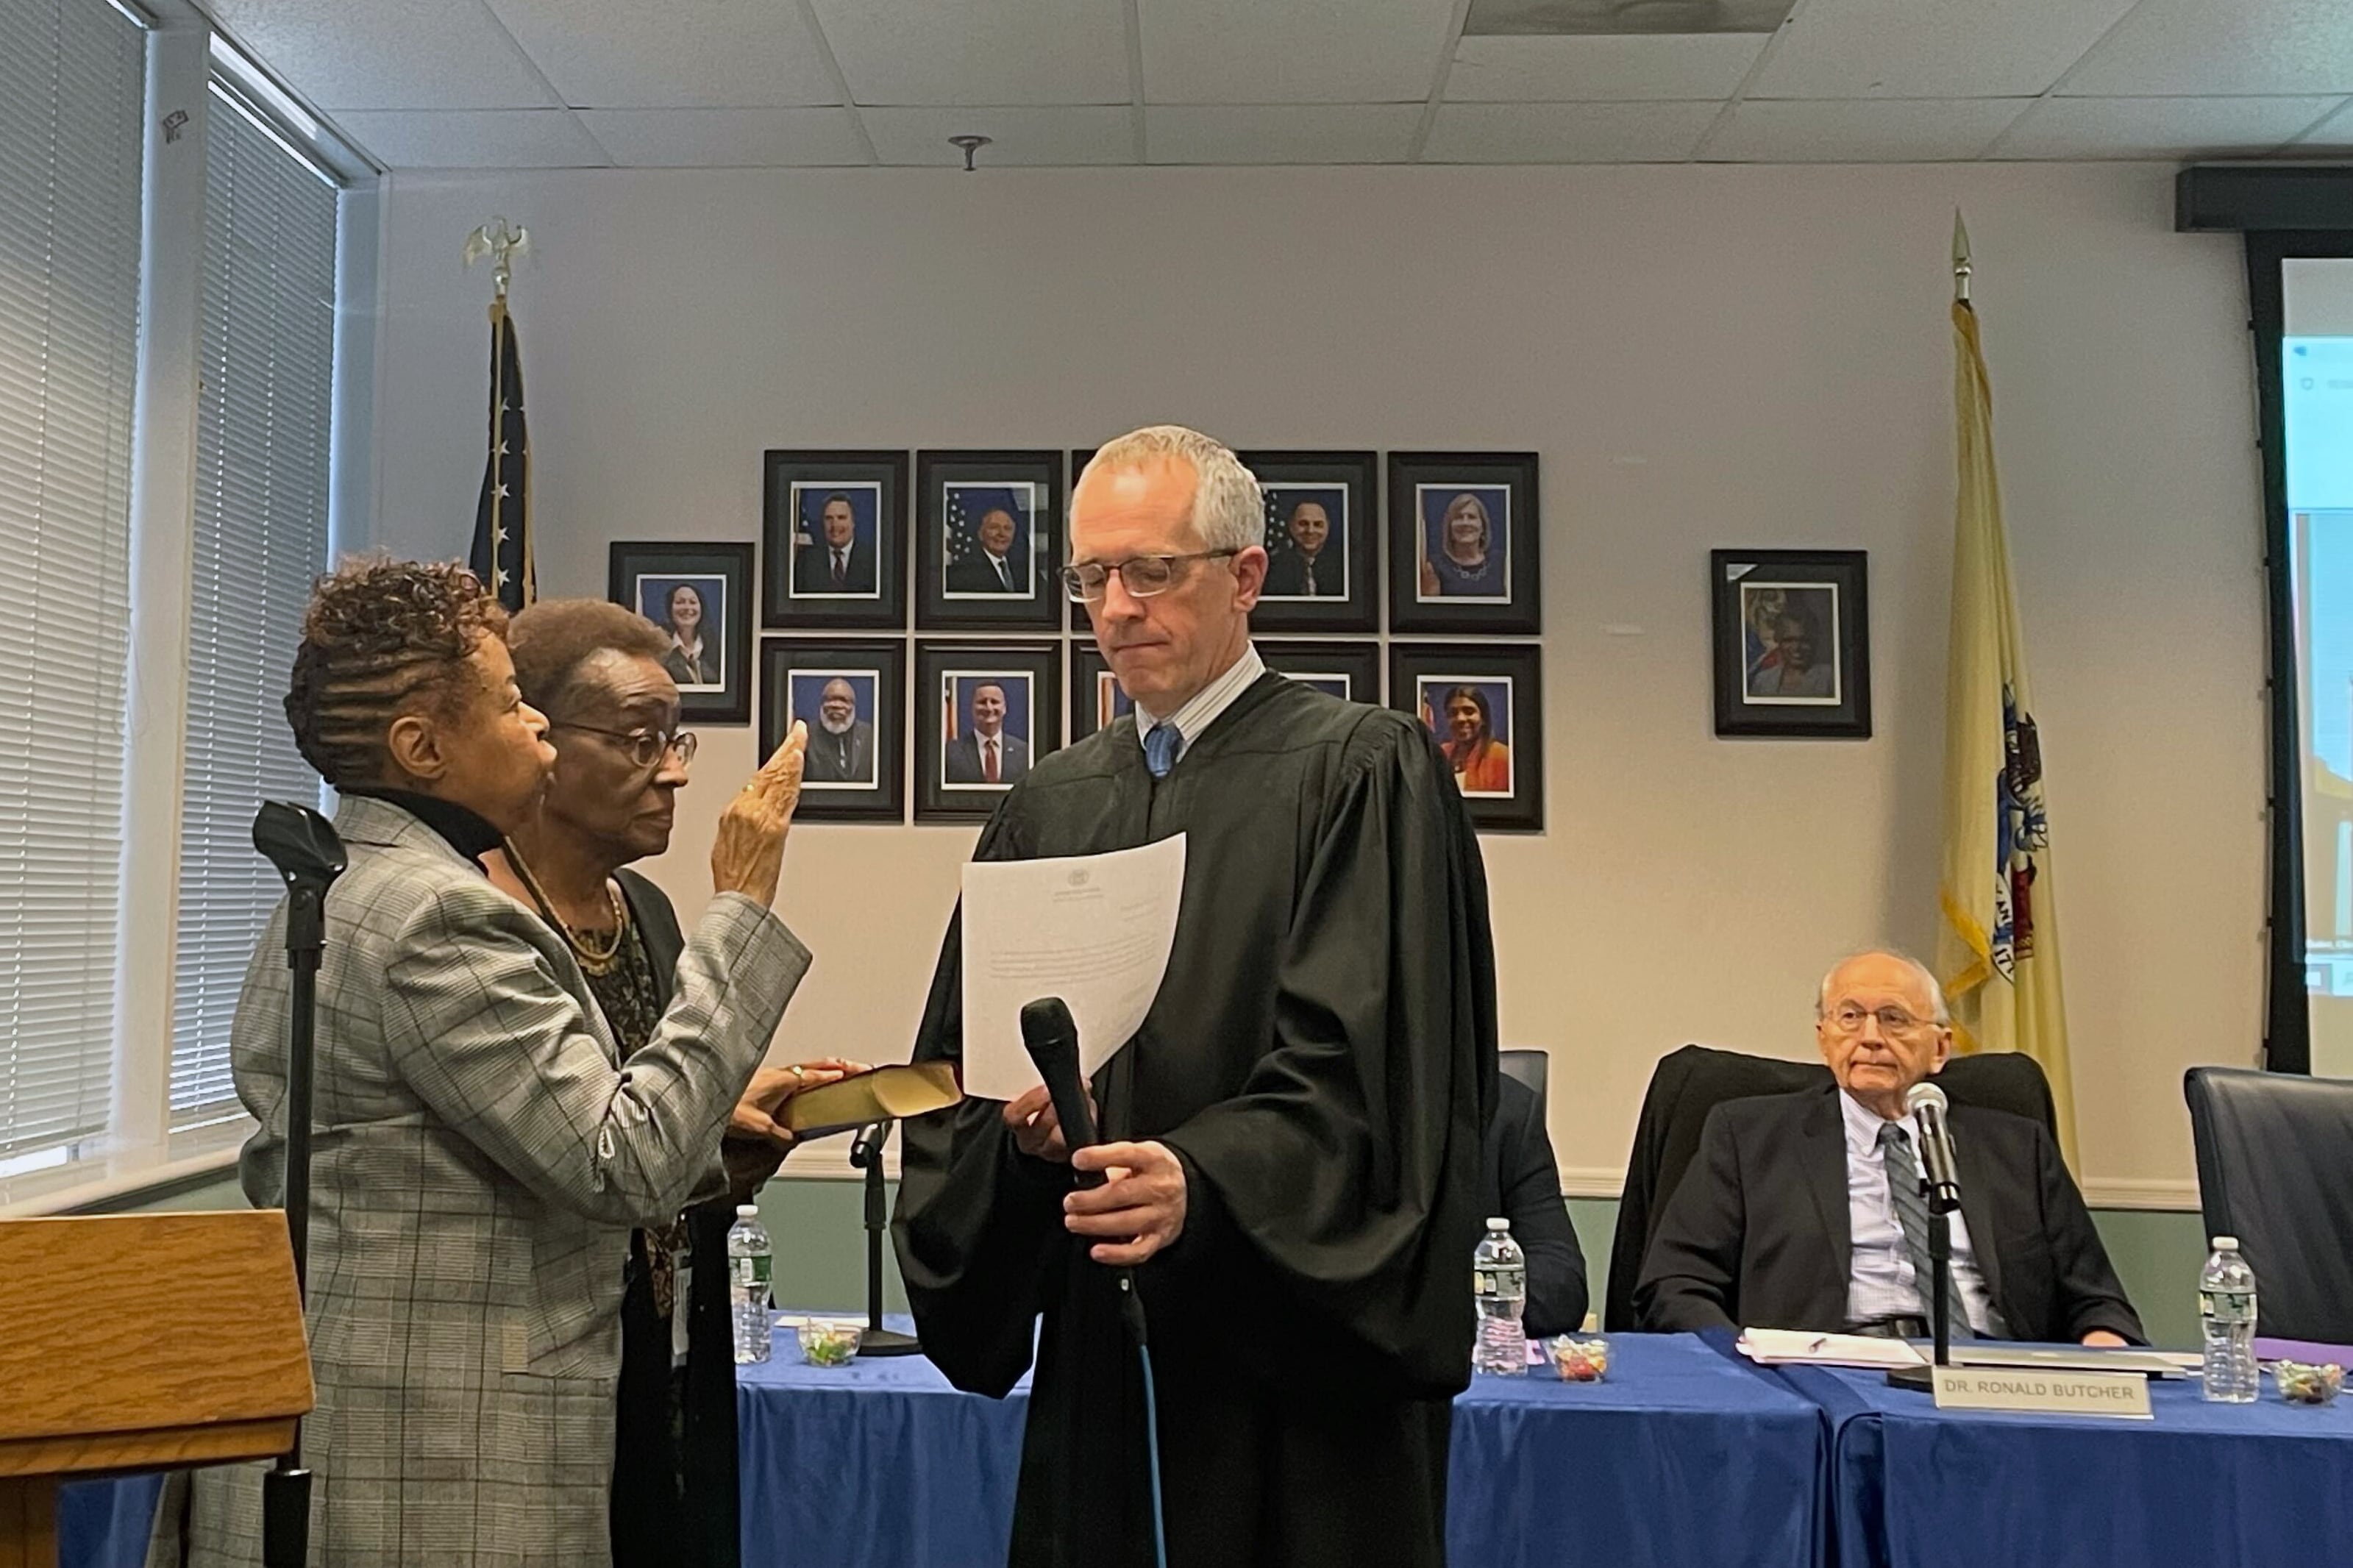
[1228, 512]
[1937, 1013]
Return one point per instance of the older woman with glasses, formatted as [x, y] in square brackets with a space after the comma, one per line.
[601, 674]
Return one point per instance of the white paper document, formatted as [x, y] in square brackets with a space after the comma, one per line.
[1094, 929]
[1796, 1347]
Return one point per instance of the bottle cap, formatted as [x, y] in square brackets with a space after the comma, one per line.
[1497, 1222]
[748, 1211]
[2226, 1244]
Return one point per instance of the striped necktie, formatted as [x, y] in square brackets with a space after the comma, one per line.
[1160, 747]
[1912, 1213]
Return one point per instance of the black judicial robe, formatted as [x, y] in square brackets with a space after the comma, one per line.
[1322, 1058]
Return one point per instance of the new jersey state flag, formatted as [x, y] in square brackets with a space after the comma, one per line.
[1998, 941]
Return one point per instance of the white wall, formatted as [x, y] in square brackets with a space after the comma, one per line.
[1704, 357]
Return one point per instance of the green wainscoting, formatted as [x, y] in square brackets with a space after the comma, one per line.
[821, 1250]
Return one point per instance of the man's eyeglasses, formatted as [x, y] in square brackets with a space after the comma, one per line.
[647, 747]
[1141, 575]
[1849, 1020]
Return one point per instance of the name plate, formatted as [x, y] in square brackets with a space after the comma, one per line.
[2123, 1394]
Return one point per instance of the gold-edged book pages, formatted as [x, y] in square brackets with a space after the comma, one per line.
[883, 1094]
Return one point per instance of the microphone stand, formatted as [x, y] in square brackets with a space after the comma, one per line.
[1942, 1200]
[866, 1154]
[303, 846]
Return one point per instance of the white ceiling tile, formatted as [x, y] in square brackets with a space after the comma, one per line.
[1861, 130]
[1293, 51]
[1019, 136]
[387, 54]
[2222, 46]
[473, 138]
[2159, 127]
[714, 54]
[979, 51]
[725, 138]
[1597, 67]
[1566, 132]
[1931, 48]
[1280, 133]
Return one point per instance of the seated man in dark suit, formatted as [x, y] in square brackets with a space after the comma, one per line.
[1802, 1211]
[1523, 1185]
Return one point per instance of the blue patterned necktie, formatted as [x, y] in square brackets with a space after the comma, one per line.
[1912, 1213]
[1160, 747]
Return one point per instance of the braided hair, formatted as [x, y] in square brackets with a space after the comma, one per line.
[381, 638]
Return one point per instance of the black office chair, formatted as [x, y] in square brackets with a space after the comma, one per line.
[2275, 1170]
[1530, 1068]
[1690, 1082]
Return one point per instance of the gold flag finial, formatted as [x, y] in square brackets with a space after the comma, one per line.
[501, 242]
[1961, 258]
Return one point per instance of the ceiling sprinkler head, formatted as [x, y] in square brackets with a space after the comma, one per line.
[970, 144]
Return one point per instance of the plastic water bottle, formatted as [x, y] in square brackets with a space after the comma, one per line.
[2226, 1300]
[1499, 1278]
[747, 1284]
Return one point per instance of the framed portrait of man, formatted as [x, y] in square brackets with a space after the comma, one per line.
[1348, 670]
[835, 541]
[1485, 706]
[1463, 542]
[1097, 702]
[1322, 532]
[851, 694]
[700, 596]
[988, 541]
[992, 710]
[1792, 631]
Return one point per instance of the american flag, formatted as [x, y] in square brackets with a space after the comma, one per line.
[1278, 521]
[501, 555]
[968, 504]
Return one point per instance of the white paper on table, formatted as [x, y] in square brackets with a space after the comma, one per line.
[1788, 1347]
[1094, 929]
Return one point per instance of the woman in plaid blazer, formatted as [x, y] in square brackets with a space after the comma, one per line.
[481, 1154]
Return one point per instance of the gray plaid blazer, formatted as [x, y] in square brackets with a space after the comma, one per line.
[480, 1157]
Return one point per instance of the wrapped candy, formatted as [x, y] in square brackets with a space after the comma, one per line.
[1579, 1361]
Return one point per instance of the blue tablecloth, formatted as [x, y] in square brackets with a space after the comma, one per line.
[104, 1524]
[1680, 1457]
[2263, 1486]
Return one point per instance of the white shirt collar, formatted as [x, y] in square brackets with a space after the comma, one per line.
[1207, 703]
[1863, 1125]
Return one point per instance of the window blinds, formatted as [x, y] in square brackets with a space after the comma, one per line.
[263, 426]
[71, 81]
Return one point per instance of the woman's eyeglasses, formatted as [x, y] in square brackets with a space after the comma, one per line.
[647, 748]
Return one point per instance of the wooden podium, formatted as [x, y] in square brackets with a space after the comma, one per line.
[140, 1341]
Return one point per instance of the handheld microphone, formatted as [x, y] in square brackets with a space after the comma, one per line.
[1927, 1103]
[1052, 1038]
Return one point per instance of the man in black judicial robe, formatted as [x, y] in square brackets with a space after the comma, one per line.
[1294, 1134]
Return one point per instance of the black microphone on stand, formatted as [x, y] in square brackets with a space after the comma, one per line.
[304, 848]
[1940, 1183]
[866, 1154]
[1051, 1036]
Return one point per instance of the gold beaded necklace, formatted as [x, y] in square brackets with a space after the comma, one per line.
[593, 960]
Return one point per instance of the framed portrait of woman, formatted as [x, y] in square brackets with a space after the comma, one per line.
[1463, 542]
[1485, 706]
[1793, 638]
[701, 597]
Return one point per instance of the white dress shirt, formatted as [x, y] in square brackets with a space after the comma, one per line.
[1880, 1281]
[1207, 703]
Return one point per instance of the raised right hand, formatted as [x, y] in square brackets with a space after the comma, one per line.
[748, 853]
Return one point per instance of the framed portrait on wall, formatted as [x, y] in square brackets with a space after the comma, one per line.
[1485, 706]
[1096, 700]
[1463, 542]
[1792, 642]
[835, 541]
[985, 713]
[701, 597]
[851, 695]
[1348, 670]
[1323, 528]
[988, 541]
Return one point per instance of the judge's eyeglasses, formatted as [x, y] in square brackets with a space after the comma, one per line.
[1141, 575]
[646, 747]
[1848, 1019]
